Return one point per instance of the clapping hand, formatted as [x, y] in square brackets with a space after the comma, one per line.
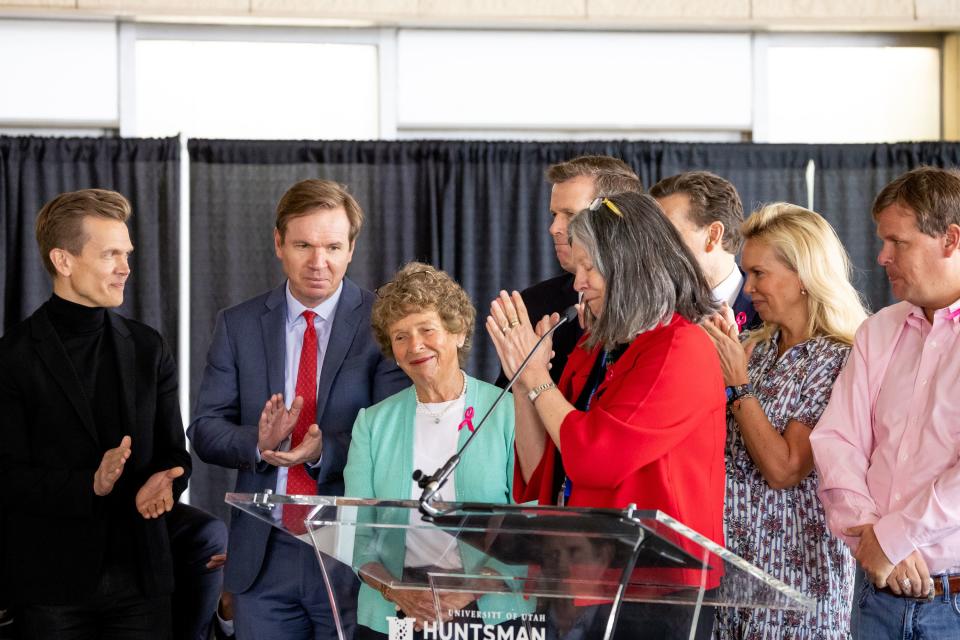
[277, 422]
[155, 497]
[308, 451]
[725, 334]
[514, 336]
[276, 425]
[111, 466]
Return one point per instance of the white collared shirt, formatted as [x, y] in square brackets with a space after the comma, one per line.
[294, 327]
[729, 288]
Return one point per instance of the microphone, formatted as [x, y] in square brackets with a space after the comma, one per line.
[432, 484]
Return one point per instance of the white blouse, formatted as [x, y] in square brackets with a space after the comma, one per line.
[433, 444]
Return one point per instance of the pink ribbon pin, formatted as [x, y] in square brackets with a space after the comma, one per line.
[741, 320]
[467, 420]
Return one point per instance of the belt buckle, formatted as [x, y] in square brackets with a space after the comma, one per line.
[931, 595]
[927, 598]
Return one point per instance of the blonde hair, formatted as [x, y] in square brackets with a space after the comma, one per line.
[806, 243]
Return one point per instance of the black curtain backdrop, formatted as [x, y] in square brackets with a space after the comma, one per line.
[479, 210]
[147, 171]
[762, 173]
[476, 209]
[848, 177]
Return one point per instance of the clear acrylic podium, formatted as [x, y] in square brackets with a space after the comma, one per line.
[516, 572]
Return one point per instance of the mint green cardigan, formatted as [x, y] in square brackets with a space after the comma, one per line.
[380, 464]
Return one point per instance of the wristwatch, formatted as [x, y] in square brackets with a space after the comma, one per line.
[537, 390]
[739, 391]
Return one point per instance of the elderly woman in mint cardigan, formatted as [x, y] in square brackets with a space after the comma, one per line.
[424, 320]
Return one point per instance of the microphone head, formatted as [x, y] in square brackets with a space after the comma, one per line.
[570, 313]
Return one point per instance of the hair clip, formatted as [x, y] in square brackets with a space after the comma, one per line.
[595, 206]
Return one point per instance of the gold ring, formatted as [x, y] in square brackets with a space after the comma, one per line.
[505, 329]
[514, 323]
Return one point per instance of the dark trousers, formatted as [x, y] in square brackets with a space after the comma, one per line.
[649, 621]
[117, 610]
[289, 601]
[195, 535]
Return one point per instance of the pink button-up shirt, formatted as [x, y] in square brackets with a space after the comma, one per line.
[887, 447]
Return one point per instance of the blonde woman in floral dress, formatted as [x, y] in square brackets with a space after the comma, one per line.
[779, 381]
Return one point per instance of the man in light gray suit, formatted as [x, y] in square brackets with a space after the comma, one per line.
[286, 374]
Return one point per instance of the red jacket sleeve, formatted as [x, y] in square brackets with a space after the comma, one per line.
[650, 402]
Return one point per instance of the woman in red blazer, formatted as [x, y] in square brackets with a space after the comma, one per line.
[639, 414]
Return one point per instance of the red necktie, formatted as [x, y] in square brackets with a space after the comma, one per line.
[299, 481]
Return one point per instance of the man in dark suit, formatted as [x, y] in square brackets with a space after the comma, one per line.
[92, 453]
[576, 183]
[287, 372]
[707, 212]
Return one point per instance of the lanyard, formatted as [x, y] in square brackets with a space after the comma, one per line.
[567, 486]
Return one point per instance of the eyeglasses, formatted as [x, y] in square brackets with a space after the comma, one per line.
[382, 289]
[614, 209]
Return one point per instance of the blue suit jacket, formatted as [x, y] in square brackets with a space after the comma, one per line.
[245, 366]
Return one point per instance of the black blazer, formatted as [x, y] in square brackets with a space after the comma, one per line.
[54, 525]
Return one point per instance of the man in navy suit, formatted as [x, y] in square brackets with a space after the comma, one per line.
[286, 374]
[707, 212]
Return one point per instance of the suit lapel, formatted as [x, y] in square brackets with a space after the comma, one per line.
[126, 370]
[273, 330]
[55, 358]
[743, 311]
[341, 337]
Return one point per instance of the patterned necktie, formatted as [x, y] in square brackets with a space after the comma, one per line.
[299, 481]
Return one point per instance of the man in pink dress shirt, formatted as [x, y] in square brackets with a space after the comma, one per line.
[887, 448]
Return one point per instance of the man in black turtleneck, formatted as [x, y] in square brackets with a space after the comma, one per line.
[92, 452]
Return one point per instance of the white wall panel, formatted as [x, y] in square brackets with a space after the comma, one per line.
[565, 79]
[58, 71]
[263, 90]
[850, 94]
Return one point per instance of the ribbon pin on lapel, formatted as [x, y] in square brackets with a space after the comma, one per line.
[741, 320]
[467, 420]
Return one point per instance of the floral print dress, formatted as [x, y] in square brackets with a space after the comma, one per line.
[784, 531]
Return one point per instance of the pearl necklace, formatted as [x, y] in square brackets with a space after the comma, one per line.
[422, 406]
